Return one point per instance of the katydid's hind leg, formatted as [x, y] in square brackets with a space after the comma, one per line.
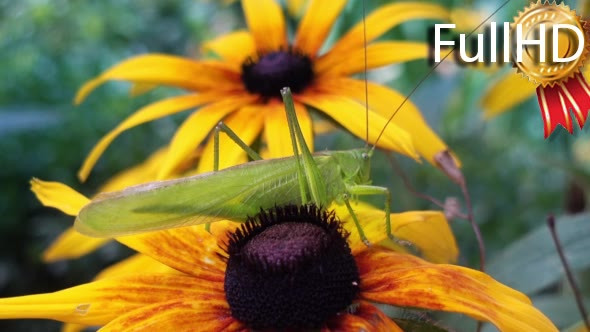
[359, 228]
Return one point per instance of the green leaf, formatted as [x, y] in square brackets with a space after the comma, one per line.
[532, 263]
[561, 309]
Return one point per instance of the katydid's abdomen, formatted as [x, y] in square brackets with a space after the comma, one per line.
[233, 194]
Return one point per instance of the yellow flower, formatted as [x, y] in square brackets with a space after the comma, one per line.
[241, 87]
[288, 267]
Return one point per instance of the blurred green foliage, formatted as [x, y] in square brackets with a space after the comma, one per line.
[49, 48]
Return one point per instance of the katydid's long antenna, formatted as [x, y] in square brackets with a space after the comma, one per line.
[568, 271]
[430, 73]
[366, 81]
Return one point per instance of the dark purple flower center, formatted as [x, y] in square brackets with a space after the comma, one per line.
[273, 71]
[290, 268]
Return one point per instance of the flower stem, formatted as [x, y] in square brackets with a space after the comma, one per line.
[568, 271]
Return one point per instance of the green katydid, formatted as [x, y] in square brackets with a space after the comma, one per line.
[237, 192]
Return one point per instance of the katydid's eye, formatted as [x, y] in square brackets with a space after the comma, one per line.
[365, 156]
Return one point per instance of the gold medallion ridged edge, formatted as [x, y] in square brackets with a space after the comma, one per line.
[585, 30]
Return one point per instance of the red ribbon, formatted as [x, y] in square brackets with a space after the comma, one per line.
[557, 101]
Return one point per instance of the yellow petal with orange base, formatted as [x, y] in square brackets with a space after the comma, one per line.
[234, 47]
[316, 25]
[276, 129]
[167, 70]
[145, 114]
[385, 101]
[407, 281]
[178, 315]
[266, 23]
[71, 244]
[191, 250]
[511, 90]
[351, 115]
[129, 266]
[427, 231]
[383, 19]
[366, 317]
[59, 196]
[99, 302]
[196, 127]
[378, 55]
[133, 264]
[247, 124]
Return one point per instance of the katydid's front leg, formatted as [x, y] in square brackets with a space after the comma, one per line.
[222, 127]
[234, 137]
[359, 228]
[365, 190]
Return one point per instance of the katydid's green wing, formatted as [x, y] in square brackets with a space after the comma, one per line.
[233, 194]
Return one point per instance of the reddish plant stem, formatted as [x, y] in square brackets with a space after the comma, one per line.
[568, 271]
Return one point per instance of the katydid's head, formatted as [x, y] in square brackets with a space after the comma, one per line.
[355, 165]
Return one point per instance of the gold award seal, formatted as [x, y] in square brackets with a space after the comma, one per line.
[561, 86]
[549, 14]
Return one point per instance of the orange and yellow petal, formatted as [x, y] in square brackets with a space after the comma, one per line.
[266, 23]
[145, 114]
[378, 54]
[427, 231]
[191, 250]
[99, 302]
[383, 19]
[234, 47]
[59, 196]
[195, 129]
[276, 129]
[129, 266]
[316, 25]
[167, 70]
[71, 244]
[365, 318]
[132, 265]
[407, 281]
[351, 115]
[178, 315]
[385, 101]
[511, 90]
[247, 124]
